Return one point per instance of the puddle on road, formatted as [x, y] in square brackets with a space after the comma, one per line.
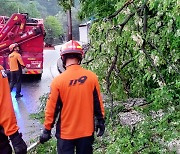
[30, 128]
[32, 89]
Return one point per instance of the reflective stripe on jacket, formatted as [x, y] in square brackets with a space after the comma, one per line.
[15, 58]
[7, 116]
[75, 94]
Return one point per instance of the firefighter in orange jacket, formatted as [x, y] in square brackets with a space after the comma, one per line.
[15, 63]
[8, 123]
[75, 98]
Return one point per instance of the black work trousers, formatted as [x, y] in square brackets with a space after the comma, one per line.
[16, 78]
[81, 145]
[5, 147]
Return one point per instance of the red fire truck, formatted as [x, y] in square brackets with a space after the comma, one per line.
[29, 33]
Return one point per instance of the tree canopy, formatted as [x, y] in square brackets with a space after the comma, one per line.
[53, 29]
[139, 34]
[37, 9]
[134, 49]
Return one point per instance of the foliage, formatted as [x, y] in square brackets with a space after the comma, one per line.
[68, 4]
[46, 148]
[10, 7]
[71, 24]
[36, 9]
[48, 7]
[134, 46]
[50, 146]
[40, 114]
[32, 10]
[135, 52]
[96, 8]
[152, 135]
[53, 29]
[62, 16]
[134, 63]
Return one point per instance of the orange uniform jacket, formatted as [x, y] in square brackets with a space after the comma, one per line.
[75, 94]
[14, 61]
[7, 116]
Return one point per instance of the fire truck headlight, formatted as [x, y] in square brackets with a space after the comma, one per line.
[35, 65]
[28, 65]
[39, 66]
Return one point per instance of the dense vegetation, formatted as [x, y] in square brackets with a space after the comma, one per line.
[55, 18]
[35, 8]
[134, 49]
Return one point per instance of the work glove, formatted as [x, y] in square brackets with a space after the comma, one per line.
[25, 70]
[100, 127]
[18, 143]
[45, 136]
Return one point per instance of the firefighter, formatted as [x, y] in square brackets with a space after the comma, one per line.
[16, 64]
[75, 98]
[8, 123]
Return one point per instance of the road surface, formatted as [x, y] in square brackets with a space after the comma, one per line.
[32, 89]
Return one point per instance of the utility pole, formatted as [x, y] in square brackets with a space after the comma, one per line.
[67, 4]
[69, 18]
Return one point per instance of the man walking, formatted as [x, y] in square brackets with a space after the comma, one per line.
[8, 123]
[16, 64]
[75, 98]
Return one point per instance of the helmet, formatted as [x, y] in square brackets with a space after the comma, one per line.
[12, 46]
[71, 47]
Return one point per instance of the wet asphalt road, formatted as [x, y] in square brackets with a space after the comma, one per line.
[32, 89]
